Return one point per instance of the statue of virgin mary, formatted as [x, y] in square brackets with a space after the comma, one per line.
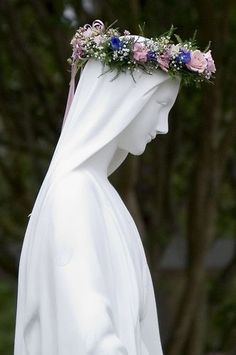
[84, 283]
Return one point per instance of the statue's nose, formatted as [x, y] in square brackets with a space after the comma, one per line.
[162, 125]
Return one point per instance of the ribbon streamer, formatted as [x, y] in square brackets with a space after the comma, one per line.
[71, 91]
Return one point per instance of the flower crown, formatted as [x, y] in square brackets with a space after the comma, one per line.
[122, 52]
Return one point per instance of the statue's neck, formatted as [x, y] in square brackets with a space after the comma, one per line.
[99, 162]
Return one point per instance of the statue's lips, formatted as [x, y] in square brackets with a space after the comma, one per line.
[149, 138]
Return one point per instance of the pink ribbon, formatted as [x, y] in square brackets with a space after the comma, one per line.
[71, 92]
[99, 26]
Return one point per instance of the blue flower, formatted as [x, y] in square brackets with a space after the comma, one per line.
[183, 57]
[116, 43]
[151, 56]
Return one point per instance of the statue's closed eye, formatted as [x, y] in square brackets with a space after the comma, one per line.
[163, 103]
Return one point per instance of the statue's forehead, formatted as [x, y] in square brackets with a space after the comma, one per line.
[164, 93]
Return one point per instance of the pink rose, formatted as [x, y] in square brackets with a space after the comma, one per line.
[163, 60]
[88, 32]
[210, 62]
[97, 39]
[197, 62]
[140, 52]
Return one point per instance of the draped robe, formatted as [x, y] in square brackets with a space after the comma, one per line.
[85, 285]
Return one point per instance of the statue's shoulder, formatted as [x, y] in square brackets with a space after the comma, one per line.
[74, 188]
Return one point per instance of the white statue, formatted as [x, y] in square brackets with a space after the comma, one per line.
[84, 282]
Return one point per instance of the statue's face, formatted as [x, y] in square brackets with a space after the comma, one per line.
[151, 120]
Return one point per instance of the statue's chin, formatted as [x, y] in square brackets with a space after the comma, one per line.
[138, 150]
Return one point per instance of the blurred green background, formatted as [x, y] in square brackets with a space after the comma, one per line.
[181, 191]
